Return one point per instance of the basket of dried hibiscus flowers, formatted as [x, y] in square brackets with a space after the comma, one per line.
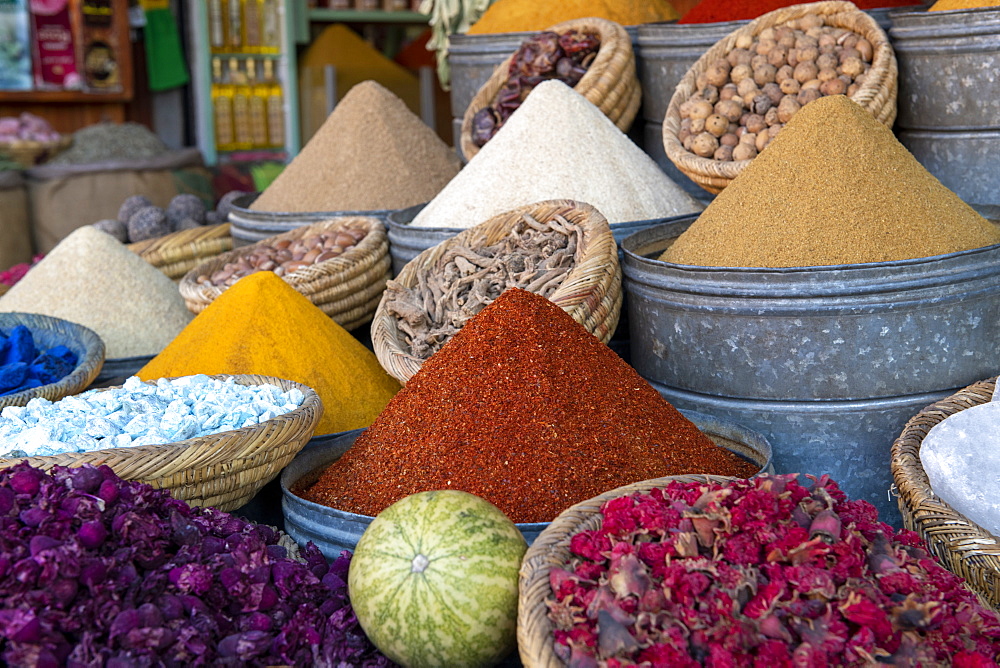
[593, 56]
[702, 570]
[563, 250]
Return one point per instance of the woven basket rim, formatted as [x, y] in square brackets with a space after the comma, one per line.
[601, 249]
[714, 175]
[612, 73]
[311, 400]
[204, 294]
[87, 368]
[964, 546]
[188, 240]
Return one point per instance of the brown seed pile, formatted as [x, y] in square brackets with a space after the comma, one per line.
[835, 187]
[286, 256]
[744, 100]
[372, 153]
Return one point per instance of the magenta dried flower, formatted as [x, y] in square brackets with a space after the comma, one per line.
[765, 572]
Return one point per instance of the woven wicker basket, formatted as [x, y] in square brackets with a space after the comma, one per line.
[178, 253]
[223, 470]
[964, 547]
[28, 153]
[347, 288]
[591, 292]
[49, 332]
[535, 631]
[877, 94]
[610, 83]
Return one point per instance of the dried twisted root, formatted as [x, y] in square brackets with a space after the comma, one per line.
[534, 256]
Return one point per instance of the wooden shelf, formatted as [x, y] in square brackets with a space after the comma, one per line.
[358, 16]
[62, 97]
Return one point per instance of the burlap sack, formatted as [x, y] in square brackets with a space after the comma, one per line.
[65, 197]
[15, 229]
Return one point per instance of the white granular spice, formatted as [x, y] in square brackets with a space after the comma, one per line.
[92, 279]
[164, 411]
[557, 145]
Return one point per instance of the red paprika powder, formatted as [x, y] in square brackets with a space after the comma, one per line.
[526, 409]
[717, 11]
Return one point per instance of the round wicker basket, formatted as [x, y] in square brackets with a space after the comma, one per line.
[347, 288]
[49, 332]
[877, 94]
[610, 83]
[223, 470]
[535, 631]
[28, 153]
[178, 253]
[591, 291]
[964, 547]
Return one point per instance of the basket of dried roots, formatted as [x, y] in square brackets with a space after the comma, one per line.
[561, 249]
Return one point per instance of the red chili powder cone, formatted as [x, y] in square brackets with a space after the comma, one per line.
[527, 409]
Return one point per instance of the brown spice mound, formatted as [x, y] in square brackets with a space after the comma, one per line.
[834, 187]
[526, 409]
[372, 153]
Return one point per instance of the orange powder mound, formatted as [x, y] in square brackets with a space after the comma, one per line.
[261, 325]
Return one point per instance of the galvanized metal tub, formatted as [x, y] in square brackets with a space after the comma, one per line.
[827, 362]
[248, 226]
[666, 52]
[334, 530]
[406, 241]
[949, 96]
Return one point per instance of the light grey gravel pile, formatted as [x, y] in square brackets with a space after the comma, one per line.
[92, 279]
[164, 411]
[558, 145]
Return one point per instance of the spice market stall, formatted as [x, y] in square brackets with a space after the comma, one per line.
[520, 494]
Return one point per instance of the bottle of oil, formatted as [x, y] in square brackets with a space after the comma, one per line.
[258, 106]
[275, 106]
[222, 108]
[270, 21]
[251, 25]
[217, 19]
[234, 26]
[241, 106]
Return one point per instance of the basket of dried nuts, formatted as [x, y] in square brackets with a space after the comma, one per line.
[736, 98]
[592, 55]
[341, 265]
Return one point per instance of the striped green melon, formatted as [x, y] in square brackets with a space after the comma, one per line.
[433, 580]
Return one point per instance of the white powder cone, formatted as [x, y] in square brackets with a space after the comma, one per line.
[91, 279]
[558, 145]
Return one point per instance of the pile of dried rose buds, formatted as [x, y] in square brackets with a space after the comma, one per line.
[762, 572]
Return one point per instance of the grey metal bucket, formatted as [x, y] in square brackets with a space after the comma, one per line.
[248, 226]
[334, 530]
[949, 117]
[407, 242]
[665, 53]
[800, 341]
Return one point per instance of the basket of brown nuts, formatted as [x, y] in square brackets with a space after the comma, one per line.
[736, 98]
[592, 55]
[341, 265]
